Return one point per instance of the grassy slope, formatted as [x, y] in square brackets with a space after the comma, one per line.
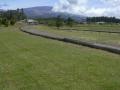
[34, 63]
[108, 38]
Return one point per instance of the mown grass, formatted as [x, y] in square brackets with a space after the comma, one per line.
[33, 63]
[99, 37]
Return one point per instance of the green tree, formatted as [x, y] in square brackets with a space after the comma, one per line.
[5, 22]
[12, 22]
[11, 16]
[22, 14]
[59, 22]
[70, 22]
[0, 18]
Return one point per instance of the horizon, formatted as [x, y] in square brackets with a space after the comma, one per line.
[84, 7]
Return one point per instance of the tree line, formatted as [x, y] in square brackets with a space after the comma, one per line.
[103, 19]
[58, 21]
[10, 17]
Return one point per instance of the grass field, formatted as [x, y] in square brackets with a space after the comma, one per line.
[34, 63]
[99, 37]
[109, 27]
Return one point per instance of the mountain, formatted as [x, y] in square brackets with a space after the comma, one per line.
[46, 12]
[1, 10]
[34, 12]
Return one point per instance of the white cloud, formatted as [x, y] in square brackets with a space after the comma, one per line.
[89, 7]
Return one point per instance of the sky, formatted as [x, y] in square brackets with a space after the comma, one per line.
[79, 7]
[13, 4]
[89, 7]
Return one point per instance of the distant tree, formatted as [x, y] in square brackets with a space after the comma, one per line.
[11, 16]
[59, 22]
[12, 22]
[70, 22]
[0, 21]
[5, 22]
[18, 14]
[22, 14]
[103, 19]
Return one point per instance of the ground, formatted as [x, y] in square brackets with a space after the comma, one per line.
[99, 37]
[33, 63]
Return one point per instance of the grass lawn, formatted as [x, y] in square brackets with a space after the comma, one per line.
[99, 37]
[33, 63]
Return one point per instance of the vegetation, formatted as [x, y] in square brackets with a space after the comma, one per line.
[47, 21]
[11, 16]
[33, 63]
[59, 22]
[79, 33]
[103, 19]
[12, 22]
[70, 22]
[5, 22]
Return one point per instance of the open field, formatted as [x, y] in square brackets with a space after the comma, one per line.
[34, 63]
[99, 37]
[109, 27]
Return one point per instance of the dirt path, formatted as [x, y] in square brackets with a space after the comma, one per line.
[71, 40]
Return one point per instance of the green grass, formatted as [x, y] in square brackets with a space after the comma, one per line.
[34, 63]
[109, 27]
[99, 37]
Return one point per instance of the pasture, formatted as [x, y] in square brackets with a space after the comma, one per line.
[79, 32]
[33, 63]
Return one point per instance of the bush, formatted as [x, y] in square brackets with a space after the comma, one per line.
[12, 22]
[5, 22]
[59, 22]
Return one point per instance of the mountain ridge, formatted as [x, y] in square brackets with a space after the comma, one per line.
[47, 12]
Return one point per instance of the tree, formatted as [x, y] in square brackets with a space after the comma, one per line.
[22, 14]
[12, 22]
[0, 19]
[11, 16]
[5, 22]
[70, 22]
[103, 19]
[59, 22]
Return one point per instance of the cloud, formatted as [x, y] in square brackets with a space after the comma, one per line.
[89, 7]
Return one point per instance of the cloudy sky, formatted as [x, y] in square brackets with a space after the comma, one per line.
[80, 7]
[89, 7]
